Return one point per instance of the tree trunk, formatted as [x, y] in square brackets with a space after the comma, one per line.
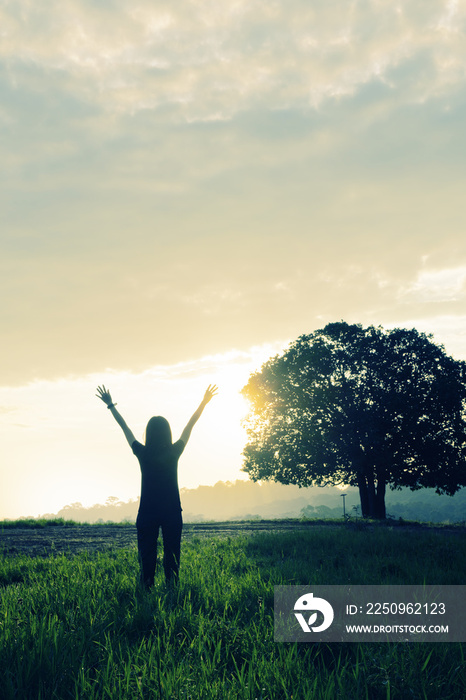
[372, 497]
[379, 511]
[363, 495]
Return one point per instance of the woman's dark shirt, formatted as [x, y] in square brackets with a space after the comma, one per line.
[160, 494]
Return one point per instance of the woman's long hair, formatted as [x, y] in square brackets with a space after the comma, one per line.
[158, 434]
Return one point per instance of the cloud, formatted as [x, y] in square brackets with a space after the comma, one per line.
[200, 176]
[438, 285]
[212, 60]
[7, 409]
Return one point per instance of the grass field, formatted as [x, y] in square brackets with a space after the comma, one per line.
[77, 626]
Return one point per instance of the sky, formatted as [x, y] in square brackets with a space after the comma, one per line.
[186, 188]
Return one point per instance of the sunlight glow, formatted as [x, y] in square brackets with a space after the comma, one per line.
[62, 446]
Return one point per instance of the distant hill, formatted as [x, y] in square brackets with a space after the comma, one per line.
[242, 500]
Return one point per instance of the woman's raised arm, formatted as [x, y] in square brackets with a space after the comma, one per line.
[104, 395]
[211, 391]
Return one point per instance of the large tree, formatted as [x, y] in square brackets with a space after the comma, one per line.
[362, 407]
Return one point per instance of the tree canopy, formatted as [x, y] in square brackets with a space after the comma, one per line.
[364, 407]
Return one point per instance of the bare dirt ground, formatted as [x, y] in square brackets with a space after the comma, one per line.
[56, 539]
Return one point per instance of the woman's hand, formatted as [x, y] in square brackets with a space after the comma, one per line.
[211, 391]
[104, 395]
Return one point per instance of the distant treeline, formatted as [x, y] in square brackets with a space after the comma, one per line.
[241, 500]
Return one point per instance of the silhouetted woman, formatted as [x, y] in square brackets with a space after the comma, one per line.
[160, 505]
